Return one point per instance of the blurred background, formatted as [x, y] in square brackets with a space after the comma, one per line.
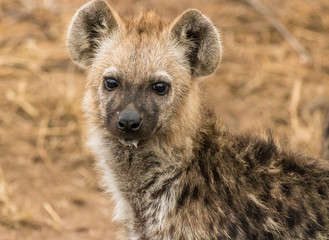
[274, 77]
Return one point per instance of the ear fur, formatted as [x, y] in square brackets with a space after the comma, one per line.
[201, 41]
[92, 23]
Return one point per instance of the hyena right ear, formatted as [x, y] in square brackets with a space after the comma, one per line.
[200, 41]
[93, 23]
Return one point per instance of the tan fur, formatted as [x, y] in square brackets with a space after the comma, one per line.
[188, 178]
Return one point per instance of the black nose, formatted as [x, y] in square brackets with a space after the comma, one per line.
[129, 121]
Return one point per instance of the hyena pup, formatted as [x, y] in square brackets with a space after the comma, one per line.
[172, 170]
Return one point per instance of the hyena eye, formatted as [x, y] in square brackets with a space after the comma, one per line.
[110, 83]
[161, 88]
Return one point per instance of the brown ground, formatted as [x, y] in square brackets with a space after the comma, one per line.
[48, 186]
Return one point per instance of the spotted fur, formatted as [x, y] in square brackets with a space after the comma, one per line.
[189, 178]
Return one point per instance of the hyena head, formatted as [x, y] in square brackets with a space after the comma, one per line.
[141, 71]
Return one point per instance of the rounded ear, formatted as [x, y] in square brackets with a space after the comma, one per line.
[200, 41]
[91, 24]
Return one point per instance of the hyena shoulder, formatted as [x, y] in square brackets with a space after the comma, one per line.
[248, 188]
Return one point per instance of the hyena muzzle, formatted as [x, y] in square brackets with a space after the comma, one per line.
[172, 170]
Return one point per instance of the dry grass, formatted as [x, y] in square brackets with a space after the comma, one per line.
[47, 183]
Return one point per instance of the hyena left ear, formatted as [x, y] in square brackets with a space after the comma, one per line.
[200, 41]
[93, 23]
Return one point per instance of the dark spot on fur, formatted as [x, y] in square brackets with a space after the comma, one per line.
[266, 196]
[244, 224]
[322, 190]
[293, 218]
[233, 231]
[208, 144]
[140, 30]
[252, 236]
[150, 163]
[206, 200]
[253, 211]
[203, 170]
[268, 236]
[289, 166]
[249, 160]
[130, 160]
[172, 230]
[195, 193]
[264, 150]
[286, 189]
[319, 218]
[149, 183]
[229, 198]
[318, 213]
[189, 167]
[183, 197]
[215, 175]
[212, 227]
[279, 207]
[228, 154]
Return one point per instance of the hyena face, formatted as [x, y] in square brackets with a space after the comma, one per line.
[135, 85]
[140, 70]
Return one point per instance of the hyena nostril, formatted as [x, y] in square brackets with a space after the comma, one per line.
[121, 125]
[136, 126]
